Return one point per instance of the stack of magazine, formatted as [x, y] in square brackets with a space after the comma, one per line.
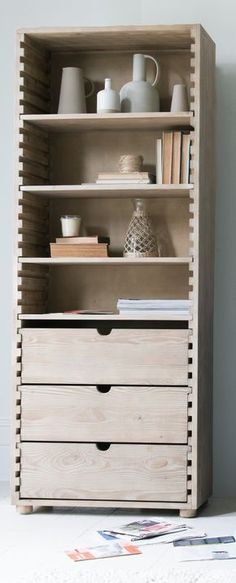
[153, 307]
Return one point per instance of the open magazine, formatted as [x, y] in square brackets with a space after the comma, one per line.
[114, 549]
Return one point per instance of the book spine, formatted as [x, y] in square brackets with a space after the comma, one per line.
[176, 158]
[159, 161]
[167, 156]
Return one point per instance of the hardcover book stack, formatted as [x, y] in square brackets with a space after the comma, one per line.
[173, 158]
[80, 247]
[141, 177]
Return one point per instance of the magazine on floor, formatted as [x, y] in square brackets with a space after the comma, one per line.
[114, 549]
[142, 529]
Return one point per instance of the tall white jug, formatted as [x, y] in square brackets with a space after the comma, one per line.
[139, 94]
[72, 93]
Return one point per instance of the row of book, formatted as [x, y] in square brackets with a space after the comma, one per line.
[153, 307]
[80, 247]
[173, 158]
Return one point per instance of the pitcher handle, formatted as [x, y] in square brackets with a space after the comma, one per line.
[157, 68]
[92, 87]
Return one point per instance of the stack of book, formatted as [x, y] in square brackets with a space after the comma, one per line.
[153, 307]
[125, 178]
[173, 158]
[80, 247]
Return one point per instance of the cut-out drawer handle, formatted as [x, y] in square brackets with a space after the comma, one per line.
[103, 388]
[104, 331]
[103, 446]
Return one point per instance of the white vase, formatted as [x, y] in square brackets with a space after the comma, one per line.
[108, 100]
[72, 93]
[179, 100]
[140, 95]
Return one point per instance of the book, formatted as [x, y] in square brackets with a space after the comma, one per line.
[166, 313]
[185, 159]
[70, 250]
[125, 176]
[123, 182]
[153, 304]
[167, 156]
[83, 240]
[176, 158]
[159, 161]
[114, 549]
[87, 312]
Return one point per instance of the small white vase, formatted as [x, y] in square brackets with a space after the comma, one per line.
[179, 100]
[108, 100]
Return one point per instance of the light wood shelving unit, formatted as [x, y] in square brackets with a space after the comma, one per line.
[111, 410]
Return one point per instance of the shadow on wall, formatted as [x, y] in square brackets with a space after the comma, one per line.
[225, 285]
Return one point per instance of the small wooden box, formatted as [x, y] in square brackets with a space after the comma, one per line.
[74, 250]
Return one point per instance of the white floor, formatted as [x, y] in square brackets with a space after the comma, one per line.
[32, 547]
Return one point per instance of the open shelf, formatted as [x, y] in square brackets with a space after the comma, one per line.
[110, 121]
[79, 317]
[110, 190]
[106, 260]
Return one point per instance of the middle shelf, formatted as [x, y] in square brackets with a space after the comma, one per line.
[106, 260]
[110, 191]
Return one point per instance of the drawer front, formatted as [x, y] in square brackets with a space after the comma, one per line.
[123, 414]
[122, 472]
[125, 356]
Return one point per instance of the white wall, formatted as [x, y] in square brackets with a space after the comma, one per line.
[219, 21]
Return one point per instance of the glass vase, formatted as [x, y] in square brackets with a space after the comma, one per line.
[140, 240]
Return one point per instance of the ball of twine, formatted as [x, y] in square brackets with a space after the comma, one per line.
[129, 163]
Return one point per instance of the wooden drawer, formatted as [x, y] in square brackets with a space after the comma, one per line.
[125, 356]
[122, 472]
[123, 414]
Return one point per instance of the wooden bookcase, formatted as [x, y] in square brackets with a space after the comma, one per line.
[111, 410]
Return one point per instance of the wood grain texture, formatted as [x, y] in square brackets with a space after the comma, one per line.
[109, 121]
[68, 150]
[123, 414]
[106, 260]
[125, 356]
[109, 191]
[203, 232]
[123, 472]
[115, 37]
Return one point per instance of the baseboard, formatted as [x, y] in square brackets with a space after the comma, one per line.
[4, 449]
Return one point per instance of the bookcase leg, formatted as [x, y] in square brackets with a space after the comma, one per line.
[24, 509]
[188, 513]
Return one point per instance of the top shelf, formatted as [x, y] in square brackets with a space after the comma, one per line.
[110, 121]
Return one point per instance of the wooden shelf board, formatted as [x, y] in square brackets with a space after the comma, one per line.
[110, 190]
[108, 38]
[110, 121]
[106, 260]
[62, 317]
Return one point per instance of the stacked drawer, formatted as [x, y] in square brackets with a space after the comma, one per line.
[104, 417]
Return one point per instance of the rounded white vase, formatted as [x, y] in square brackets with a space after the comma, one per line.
[140, 95]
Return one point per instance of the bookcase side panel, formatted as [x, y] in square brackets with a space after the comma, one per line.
[204, 243]
[29, 285]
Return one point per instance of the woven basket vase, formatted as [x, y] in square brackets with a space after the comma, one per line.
[140, 240]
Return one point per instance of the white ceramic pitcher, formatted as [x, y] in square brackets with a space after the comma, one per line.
[139, 94]
[72, 93]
